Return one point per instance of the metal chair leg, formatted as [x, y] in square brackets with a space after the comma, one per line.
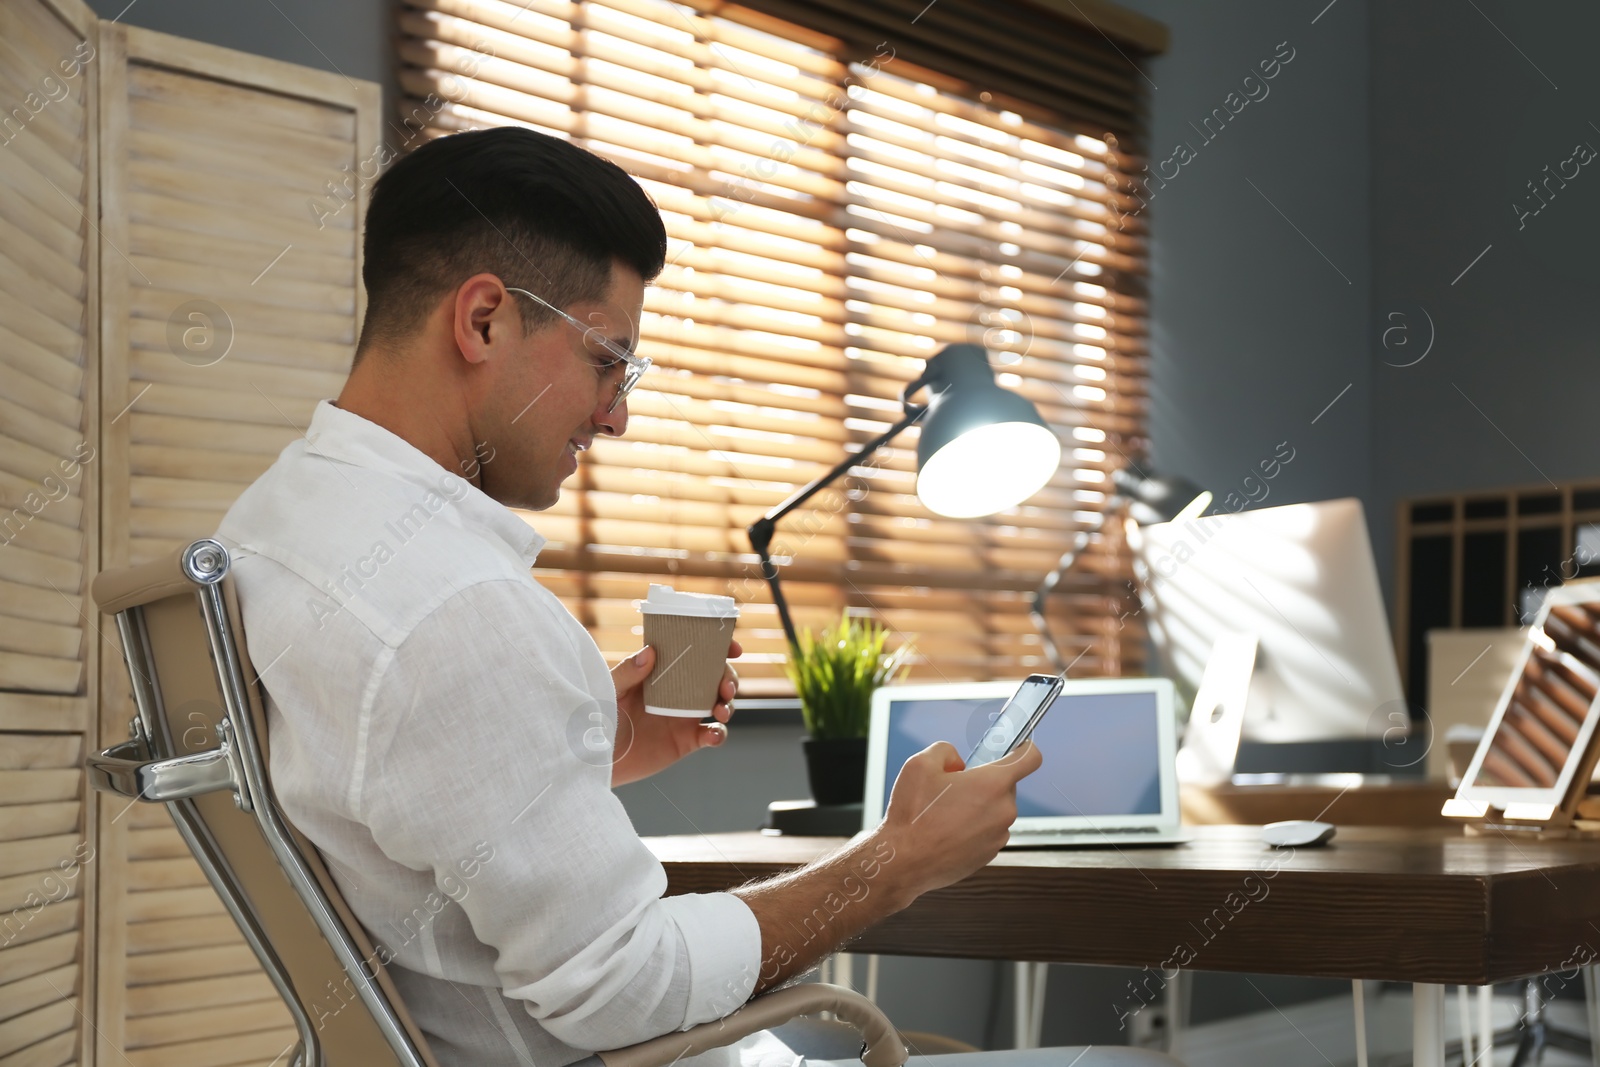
[1530, 1049]
[1534, 1033]
[1591, 998]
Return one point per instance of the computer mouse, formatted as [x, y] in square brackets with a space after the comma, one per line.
[1297, 833]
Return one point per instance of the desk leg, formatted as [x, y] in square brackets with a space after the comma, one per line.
[1022, 1004]
[1180, 995]
[1028, 1007]
[1486, 1024]
[1427, 1025]
[1041, 972]
[1358, 995]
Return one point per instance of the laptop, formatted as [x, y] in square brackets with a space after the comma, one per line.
[1109, 748]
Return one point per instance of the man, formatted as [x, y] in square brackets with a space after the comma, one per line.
[427, 697]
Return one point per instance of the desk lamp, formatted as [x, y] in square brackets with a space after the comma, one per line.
[982, 449]
[1142, 497]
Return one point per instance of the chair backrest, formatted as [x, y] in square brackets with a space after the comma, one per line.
[199, 744]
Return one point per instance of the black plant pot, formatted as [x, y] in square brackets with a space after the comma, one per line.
[836, 768]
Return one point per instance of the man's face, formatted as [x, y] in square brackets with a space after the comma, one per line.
[549, 400]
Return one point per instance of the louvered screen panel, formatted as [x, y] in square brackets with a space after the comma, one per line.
[48, 490]
[46, 445]
[45, 866]
[232, 305]
[832, 224]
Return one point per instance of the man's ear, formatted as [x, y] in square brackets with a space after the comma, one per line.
[485, 317]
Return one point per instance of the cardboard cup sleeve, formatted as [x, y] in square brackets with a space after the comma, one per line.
[691, 651]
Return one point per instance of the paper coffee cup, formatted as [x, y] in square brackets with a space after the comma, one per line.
[690, 633]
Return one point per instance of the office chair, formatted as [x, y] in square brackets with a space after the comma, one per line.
[199, 745]
[1532, 1033]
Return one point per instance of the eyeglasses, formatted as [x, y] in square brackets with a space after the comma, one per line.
[636, 364]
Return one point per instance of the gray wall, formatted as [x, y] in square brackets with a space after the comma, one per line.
[1261, 259]
[350, 37]
[726, 788]
[1396, 142]
[1462, 120]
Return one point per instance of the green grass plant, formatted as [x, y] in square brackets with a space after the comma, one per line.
[835, 675]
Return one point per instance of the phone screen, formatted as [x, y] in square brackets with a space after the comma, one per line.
[1030, 698]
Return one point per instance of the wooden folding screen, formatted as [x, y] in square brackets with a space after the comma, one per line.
[232, 192]
[179, 283]
[49, 473]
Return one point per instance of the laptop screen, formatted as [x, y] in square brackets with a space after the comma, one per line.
[1102, 751]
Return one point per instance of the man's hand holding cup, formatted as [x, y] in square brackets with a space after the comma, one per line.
[680, 677]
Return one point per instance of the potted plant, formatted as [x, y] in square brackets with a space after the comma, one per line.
[835, 676]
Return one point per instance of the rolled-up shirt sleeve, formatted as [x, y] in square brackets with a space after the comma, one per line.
[488, 754]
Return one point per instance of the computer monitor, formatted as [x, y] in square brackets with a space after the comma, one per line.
[1300, 578]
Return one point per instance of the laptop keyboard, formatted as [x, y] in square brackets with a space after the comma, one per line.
[1096, 832]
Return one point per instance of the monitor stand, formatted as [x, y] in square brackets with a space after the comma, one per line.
[1211, 738]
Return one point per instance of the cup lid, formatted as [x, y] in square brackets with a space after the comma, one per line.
[665, 600]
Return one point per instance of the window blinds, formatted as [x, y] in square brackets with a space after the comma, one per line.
[835, 215]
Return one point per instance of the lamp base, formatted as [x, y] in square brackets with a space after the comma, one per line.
[807, 818]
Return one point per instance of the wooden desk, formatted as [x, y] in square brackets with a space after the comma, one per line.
[1404, 803]
[1431, 907]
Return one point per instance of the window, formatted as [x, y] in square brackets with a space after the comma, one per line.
[836, 215]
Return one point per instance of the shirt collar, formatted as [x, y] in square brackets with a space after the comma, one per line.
[342, 435]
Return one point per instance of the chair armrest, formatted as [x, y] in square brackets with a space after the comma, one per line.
[120, 770]
[881, 1045]
[130, 587]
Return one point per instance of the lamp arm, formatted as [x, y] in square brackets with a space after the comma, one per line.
[1048, 585]
[762, 530]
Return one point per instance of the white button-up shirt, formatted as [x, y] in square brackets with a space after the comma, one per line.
[439, 727]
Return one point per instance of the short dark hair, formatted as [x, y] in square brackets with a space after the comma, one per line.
[540, 212]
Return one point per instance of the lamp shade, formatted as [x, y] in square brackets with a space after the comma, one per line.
[983, 448]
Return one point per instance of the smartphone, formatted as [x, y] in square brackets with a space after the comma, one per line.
[1017, 719]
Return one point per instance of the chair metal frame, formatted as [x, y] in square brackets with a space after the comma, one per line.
[134, 770]
[148, 768]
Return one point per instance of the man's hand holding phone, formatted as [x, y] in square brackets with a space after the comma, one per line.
[979, 794]
[945, 821]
